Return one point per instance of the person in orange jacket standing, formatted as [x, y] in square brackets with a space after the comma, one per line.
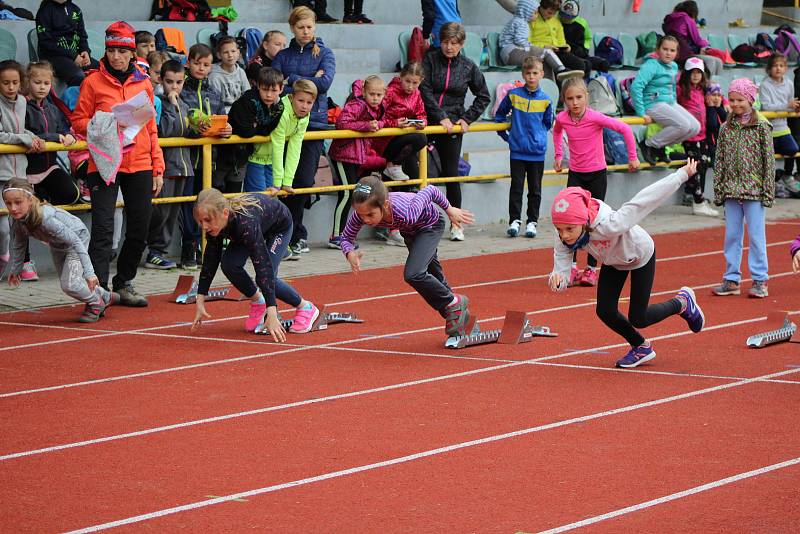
[140, 173]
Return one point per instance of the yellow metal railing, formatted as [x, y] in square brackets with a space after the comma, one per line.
[206, 144]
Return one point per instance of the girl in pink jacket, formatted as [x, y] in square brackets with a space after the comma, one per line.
[691, 95]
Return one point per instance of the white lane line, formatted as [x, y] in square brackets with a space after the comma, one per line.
[359, 393]
[312, 347]
[425, 454]
[674, 496]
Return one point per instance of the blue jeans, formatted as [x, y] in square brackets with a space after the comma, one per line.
[236, 255]
[736, 213]
[257, 177]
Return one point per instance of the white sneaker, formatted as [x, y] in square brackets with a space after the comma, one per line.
[395, 239]
[530, 229]
[704, 208]
[791, 183]
[513, 228]
[456, 234]
[396, 173]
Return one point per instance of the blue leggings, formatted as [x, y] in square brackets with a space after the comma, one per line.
[236, 255]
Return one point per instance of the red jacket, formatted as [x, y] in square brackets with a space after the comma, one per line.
[399, 105]
[99, 92]
[694, 103]
[356, 115]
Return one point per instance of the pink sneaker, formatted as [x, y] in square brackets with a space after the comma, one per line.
[575, 276]
[255, 317]
[588, 277]
[304, 320]
[29, 273]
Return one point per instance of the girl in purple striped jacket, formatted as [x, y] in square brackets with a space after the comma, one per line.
[421, 225]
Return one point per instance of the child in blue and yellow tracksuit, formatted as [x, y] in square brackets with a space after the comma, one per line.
[531, 113]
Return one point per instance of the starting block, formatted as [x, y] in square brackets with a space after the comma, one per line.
[323, 320]
[781, 328]
[516, 329]
[185, 291]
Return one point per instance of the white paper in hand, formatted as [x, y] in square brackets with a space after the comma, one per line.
[133, 115]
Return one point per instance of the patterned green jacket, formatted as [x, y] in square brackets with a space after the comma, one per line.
[745, 162]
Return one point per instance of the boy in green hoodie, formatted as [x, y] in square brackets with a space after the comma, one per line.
[287, 137]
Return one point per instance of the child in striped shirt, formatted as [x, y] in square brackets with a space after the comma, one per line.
[421, 225]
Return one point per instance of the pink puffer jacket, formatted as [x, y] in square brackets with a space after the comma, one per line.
[356, 115]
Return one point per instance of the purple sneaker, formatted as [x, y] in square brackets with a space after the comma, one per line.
[636, 356]
[693, 315]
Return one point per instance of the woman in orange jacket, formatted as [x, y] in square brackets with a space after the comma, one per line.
[140, 174]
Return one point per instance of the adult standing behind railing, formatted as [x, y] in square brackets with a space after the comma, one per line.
[306, 58]
[447, 76]
[140, 173]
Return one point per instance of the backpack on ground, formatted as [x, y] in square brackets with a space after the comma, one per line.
[602, 97]
[625, 94]
[787, 44]
[745, 53]
[250, 39]
[173, 42]
[609, 49]
[501, 91]
[765, 40]
[614, 147]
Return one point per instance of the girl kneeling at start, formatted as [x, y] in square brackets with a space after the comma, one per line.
[616, 239]
[258, 227]
[68, 240]
[421, 224]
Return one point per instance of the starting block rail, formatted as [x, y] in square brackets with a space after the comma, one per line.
[781, 328]
[321, 323]
[516, 329]
[185, 291]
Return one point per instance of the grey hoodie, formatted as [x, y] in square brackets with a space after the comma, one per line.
[62, 231]
[515, 32]
[13, 132]
[615, 238]
[229, 85]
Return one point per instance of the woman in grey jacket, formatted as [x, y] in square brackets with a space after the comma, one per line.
[447, 77]
[68, 240]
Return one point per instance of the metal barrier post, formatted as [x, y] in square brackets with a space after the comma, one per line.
[423, 167]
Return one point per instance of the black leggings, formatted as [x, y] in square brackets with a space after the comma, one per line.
[449, 149]
[353, 8]
[640, 315]
[696, 184]
[571, 61]
[344, 174]
[596, 183]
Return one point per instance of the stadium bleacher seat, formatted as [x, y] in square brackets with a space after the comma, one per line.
[629, 49]
[33, 45]
[8, 45]
[735, 40]
[473, 48]
[550, 87]
[204, 36]
[493, 46]
[402, 42]
[97, 43]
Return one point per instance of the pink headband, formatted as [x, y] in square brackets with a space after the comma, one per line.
[745, 87]
[574, 205]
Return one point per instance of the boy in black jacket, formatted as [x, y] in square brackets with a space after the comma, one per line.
[62, 39]
[177, 161]
[257, 112]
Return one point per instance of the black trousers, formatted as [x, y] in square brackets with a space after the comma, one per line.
[162, 219]
[423, 271]
[449, 149]
[58, 188]
[640, 314]
[696, 184]
[343, 174]
[353, 7]
[320, 7]
[68, 72]
[137, 193]
[573, 62]
[596, 183]
[303, 177]
[522, 171]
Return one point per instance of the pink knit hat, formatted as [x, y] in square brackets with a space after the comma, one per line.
[574, 205]
[745, 87]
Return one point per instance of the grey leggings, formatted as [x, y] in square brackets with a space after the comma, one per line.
[73, 281]
[423, 271]
[678, 124]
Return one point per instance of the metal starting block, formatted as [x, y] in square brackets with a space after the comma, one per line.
[323, 320]
[185, 291]
[781, 329]
[516, 329]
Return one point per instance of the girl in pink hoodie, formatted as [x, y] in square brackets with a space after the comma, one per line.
[691, 95]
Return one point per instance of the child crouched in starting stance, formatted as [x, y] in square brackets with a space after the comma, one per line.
[68, 239]
[421, 225]
[616, 239]
[257, 227]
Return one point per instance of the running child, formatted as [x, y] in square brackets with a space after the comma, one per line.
[68, 240]
[624, 247]
[744, 182]
[655, 100]
[776, 93]
[255, 227]
[691, 95]
[421, 225]
[530, 112]
[587, 163]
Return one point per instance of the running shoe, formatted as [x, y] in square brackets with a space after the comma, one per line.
[28, 273]
[256, 316]
[513, 228]
[636, 356]
[530, 229]
[588, 278]
[304, 319]
[727, 287]
[693, 315]
[758, 290]
[457, 316]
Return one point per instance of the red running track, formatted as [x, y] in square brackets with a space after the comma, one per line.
[377, 427]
